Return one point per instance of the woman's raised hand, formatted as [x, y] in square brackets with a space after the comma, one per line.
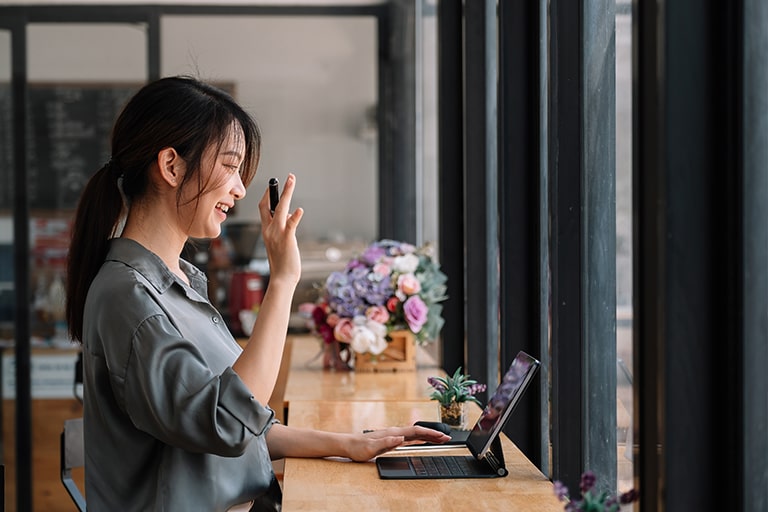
[279, 234]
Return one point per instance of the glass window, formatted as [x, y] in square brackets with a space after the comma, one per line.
[426, 67]
[6, 192]
[311, 82]
[77, 86]
[624, 242]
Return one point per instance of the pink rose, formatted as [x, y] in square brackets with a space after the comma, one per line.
[392, 304]
[415, 313]
[378, 314]
[382, 269]
[332, 319]
[408, 284]
[343, 330]
[306, 308]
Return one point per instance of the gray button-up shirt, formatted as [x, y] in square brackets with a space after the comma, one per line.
[169, 426]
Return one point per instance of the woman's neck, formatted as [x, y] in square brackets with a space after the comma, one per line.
[158, 231]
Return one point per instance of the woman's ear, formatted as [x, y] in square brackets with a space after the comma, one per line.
[171, 166]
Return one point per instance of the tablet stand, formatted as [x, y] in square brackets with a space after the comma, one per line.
[495, 457]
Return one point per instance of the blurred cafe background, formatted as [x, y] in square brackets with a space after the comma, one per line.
[591, 173]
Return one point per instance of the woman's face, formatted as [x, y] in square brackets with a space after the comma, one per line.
[222, 186]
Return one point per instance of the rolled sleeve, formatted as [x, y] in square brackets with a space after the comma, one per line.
[237, 399]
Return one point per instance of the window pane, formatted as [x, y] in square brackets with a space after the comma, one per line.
[6, 192]
[311, 83]
[76, 86]
[624, 241]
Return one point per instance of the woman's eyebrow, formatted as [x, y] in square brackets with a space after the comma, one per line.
[232, 152]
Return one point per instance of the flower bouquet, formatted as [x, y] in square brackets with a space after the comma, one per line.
[391, 286]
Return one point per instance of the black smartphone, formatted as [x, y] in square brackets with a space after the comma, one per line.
[274, 195]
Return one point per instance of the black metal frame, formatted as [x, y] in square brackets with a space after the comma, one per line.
[700, 180]
[397, 122]
[489, 164]
[520, 213]
[480, 197]
[752, 23]
[451, 177]
[581, 167]
[566, 251]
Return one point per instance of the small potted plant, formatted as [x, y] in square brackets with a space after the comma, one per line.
[453, 393]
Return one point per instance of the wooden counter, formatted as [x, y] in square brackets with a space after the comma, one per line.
[308, 381]
[334, 401]
[331, 485]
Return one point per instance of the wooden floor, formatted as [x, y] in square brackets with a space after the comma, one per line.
[47, 421]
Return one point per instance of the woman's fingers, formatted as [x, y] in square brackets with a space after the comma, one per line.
[283, 206]
[279, 231]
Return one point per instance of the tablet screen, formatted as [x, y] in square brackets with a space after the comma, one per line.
[502, 403]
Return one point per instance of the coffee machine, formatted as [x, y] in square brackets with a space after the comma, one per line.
[246, 286]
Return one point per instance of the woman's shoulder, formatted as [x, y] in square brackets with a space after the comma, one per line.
[121, 288]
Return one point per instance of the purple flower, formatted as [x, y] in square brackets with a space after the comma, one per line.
[439, 386]
[372, 254]
[369, 287]
[342, 297]
[415, 312]
[589, 502]
[629, 497]
[476, 388]
[561, 491]
[587, 481]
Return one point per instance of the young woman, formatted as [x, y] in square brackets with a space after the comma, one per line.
[174, 410]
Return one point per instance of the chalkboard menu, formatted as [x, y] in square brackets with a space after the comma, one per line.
[68, 139]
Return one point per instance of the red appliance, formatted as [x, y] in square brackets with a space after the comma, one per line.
[246, 291]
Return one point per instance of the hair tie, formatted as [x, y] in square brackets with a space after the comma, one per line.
[112, 166]
[120, 186]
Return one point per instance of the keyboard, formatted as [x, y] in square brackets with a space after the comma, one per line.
[447, 465]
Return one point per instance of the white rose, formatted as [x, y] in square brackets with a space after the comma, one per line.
[406, 264]
[379, 343]
[362, 339]
[378, 346]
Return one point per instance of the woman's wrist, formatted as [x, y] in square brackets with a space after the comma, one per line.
[342, 444]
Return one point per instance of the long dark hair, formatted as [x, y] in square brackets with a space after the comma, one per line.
[179, 112]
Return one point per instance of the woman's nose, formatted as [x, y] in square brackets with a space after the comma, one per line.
[238, 189]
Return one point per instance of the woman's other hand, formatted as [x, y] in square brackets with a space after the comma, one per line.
[366, 446]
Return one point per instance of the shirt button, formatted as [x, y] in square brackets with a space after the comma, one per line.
[215, 319]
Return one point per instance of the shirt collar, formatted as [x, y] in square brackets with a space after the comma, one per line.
[154, 270]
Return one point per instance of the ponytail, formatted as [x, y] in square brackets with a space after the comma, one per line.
[96, 218]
